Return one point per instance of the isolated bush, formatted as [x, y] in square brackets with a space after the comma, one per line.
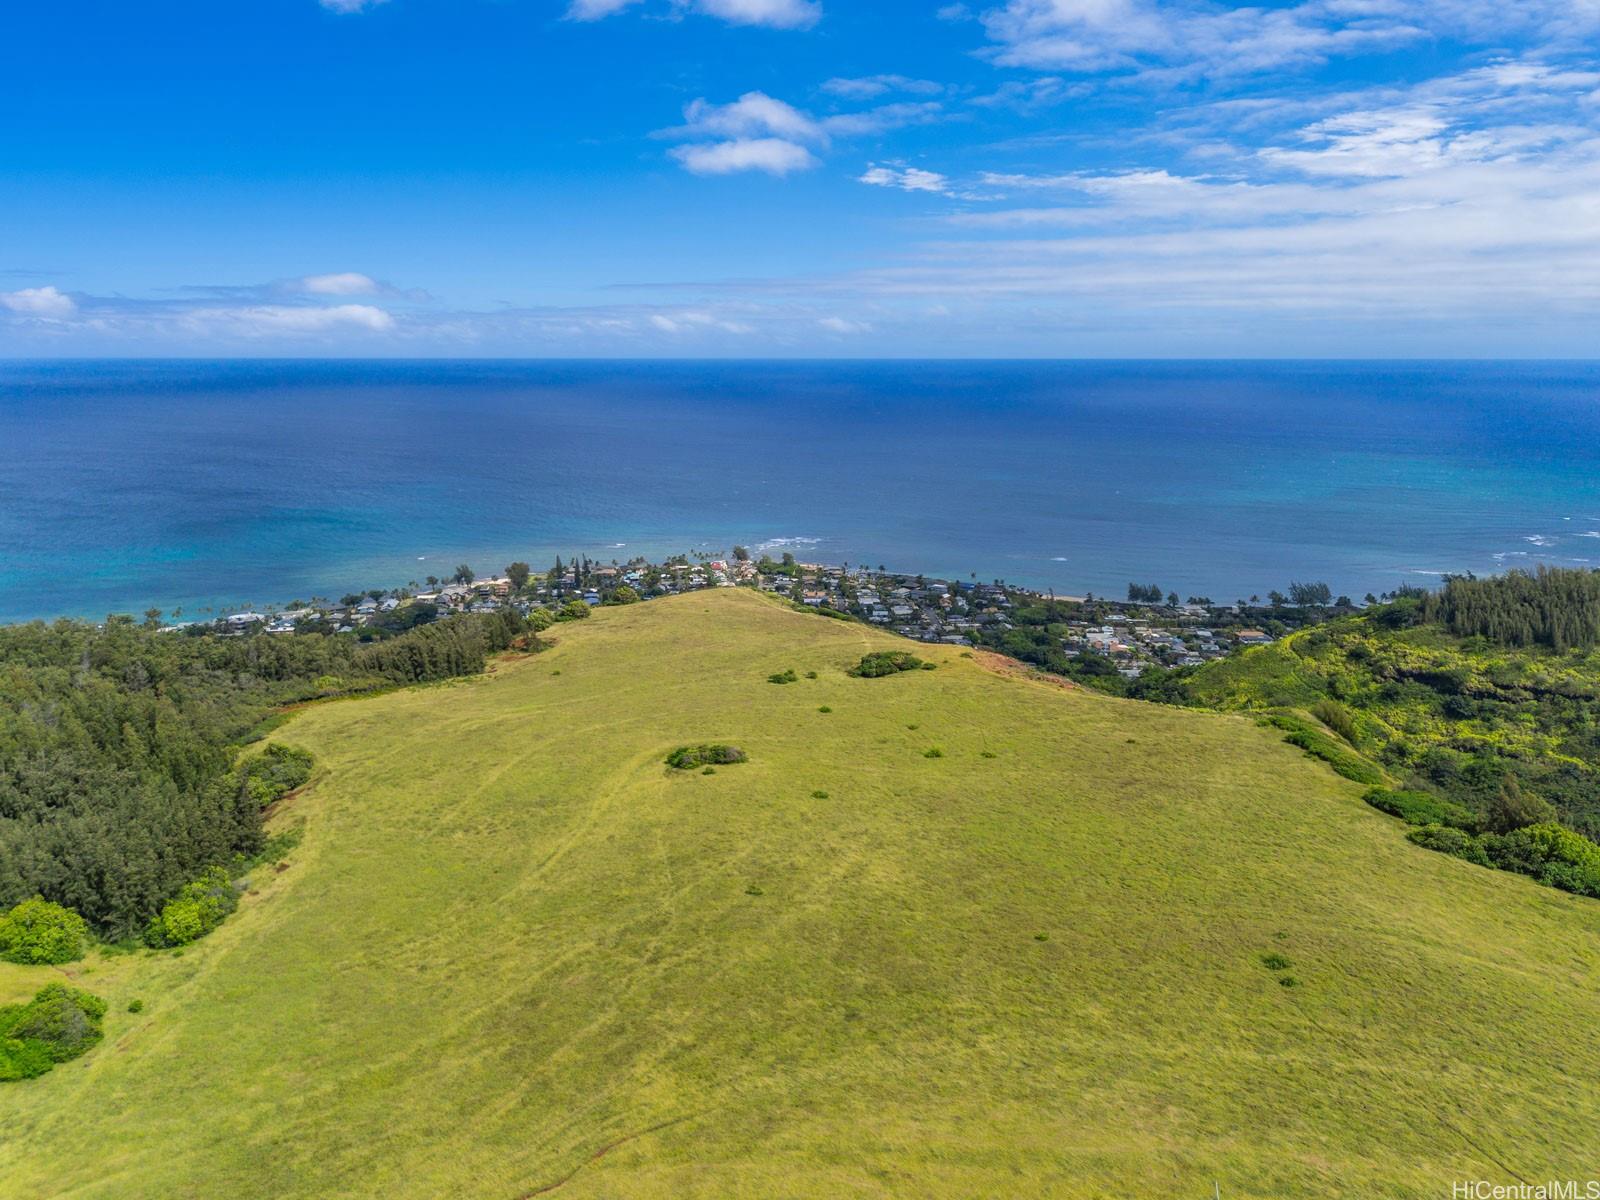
[37, 931]
[194, 912]
[686, 758]
[573, 610]
[887, 662]
[58, 1024]
[1274, 961]
[783, 676]
[1421, 808]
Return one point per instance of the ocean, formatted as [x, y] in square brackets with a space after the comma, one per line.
[202, 487]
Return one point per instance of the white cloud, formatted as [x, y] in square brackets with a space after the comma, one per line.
[774, 14]
[869, 86]
[1193, 40]
[772, 155]
[350, 6]
[270, 320]
[840, 325]
[45, 302]
[882, 119]
[1027, 96]
[752, 114]
[345, 283]
[1463, 199]
[594, 10]
[759, 133]
[907, 179]
[778, 14]
[692, 321]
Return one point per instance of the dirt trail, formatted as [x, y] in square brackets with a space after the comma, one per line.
[999, 664]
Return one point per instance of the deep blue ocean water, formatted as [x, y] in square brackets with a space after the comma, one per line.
[210, 485]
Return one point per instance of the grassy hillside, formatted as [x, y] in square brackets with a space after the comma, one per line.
[515, 955]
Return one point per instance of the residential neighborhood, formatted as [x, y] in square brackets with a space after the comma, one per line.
[1072, 635]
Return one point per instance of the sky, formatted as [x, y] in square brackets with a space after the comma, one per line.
[800, 178]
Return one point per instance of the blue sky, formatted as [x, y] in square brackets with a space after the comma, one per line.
[1069, 178]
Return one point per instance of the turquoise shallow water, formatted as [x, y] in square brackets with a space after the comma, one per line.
[212, 484]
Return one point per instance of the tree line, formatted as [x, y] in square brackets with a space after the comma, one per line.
[120, 771]
[1555, 607]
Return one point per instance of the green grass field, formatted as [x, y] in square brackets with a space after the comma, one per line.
[515, 955]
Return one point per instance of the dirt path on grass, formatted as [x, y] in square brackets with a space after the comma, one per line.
[999, 664]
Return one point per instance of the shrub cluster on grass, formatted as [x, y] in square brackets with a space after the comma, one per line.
[1422, 808]
[1315, 742]
[275, 772]
[194, 912]
[1337, 718]
[37, 931]
[820, 610]
[1550, 853]
[888, 662]
[687, 758]
[58, 1024]
[1280, 963]
[1517, 834]
[788, 676]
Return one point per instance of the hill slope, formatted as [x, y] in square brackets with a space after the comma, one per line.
[515, 953]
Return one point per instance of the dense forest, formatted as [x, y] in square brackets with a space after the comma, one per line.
[1482, 700]
[1556, 608]
[123, 769]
